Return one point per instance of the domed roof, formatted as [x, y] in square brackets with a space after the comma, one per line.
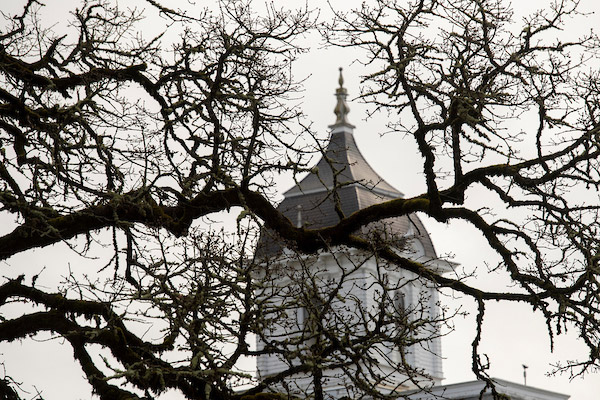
[343, 175]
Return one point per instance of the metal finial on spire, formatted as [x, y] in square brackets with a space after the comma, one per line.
[341, 109]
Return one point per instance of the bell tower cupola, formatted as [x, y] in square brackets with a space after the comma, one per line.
[340, 184]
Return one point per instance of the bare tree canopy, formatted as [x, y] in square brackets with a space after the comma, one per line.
[133, 142]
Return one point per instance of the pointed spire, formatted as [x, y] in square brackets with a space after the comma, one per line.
[341, 109]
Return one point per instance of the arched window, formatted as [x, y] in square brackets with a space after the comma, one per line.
[400, 305]
[310, 312]
[403, 333]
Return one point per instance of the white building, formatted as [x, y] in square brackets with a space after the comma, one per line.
[340, 289]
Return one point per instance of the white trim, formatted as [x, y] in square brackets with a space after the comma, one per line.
[344, 127]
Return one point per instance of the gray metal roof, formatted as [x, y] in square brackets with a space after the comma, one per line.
[342, 165]
[343, 172]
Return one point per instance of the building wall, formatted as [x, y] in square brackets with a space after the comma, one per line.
[362, 280]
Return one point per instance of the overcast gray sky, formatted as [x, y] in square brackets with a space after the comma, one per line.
[513, 335]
